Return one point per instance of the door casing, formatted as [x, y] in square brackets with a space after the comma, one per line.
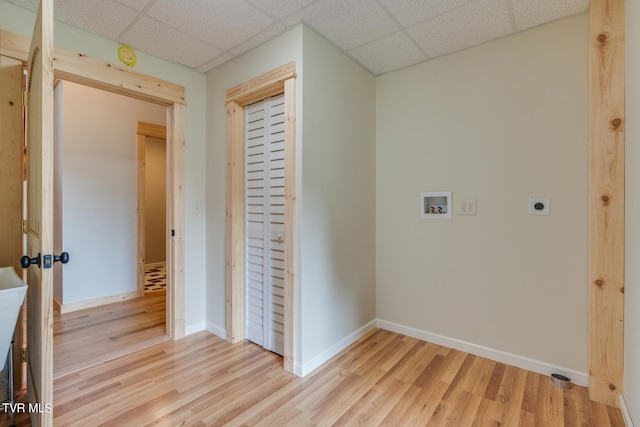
[279, 80]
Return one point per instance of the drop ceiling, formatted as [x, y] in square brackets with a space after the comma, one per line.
[381, 35]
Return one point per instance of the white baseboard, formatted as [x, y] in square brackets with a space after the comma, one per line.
[192, 329]
[305, 368]
[96, 302]
[216, 330]
[544, 368]
[625, 412]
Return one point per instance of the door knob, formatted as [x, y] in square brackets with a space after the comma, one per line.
[25, 261]
[63, 258]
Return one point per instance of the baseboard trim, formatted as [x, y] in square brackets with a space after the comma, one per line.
[306, 368]
[216, 330]
[544, 368]
[97, 302]
[57, 305]
[192, 329]
[625, 412]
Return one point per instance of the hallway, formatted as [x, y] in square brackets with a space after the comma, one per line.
[87, 337]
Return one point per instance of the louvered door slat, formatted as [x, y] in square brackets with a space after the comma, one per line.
[264, 223]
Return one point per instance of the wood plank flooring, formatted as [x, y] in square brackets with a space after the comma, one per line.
[384, 379]
[87, 337]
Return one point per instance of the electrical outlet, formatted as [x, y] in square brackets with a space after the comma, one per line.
[538, 206]
[468, 207]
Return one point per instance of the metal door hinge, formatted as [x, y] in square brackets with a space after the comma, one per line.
[25, 98]
[23, 355]
[24, 226]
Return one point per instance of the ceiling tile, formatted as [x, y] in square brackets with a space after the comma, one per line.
[279, 8]
[221, 23]
[348, 24]
[216, 62]
[106, 18]
[103, 17]
[529, 13]
[388, 53]
[466, 26]
[409, 12]
[258, 39]
[135, 4]
[158, 39]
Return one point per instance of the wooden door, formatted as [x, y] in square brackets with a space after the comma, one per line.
[11, 248]
[40, 218]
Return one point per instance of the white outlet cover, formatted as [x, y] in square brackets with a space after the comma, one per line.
[534, 206]
[467, 207]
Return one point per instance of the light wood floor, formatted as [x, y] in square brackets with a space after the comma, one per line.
[383, 379]
[87, 337]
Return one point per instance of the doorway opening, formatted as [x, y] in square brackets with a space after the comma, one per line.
[278, 81]
[112, 227]
[151, 180]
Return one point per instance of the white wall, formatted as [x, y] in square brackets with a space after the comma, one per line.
[99, 166]
[335, 179]
[631, 386]
[19, 21]
[337, 221]
[498, 123]
[155, 200]
[279, 51]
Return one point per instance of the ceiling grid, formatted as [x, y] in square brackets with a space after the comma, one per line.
[381, 35]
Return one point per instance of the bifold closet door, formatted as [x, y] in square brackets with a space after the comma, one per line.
[264, 223]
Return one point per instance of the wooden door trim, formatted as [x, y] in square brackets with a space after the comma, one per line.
[606, 200]
[145, 130]
[280, 80]
[82, 69]
[11, 159]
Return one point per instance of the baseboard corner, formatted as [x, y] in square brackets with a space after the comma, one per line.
[302, 369]
[628, 422]
[544, 368]
[216, 330]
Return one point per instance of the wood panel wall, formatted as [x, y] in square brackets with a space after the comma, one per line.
[606, 200]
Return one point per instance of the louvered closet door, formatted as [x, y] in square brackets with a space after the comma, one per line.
[264, 223]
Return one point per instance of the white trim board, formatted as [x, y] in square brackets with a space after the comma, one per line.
[192, 329]
[625, 412]
[544, 368]
[303, 369]
[97, 302]
[215, 330]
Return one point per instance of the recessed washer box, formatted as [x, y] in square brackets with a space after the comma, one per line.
[538, 206]
[435, 204]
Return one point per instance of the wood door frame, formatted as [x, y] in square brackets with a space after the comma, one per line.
[277, 81]
[606, 173]
[82, 69]
[146, 130]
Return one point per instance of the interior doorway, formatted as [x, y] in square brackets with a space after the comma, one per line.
[98, 210]
[101, 214]
[152, 223]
